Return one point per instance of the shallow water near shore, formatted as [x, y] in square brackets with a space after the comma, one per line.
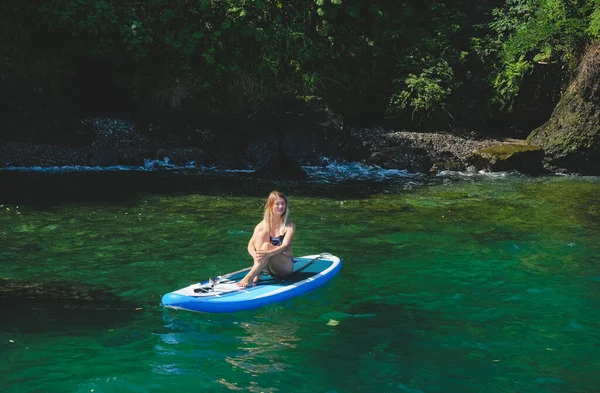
[457, 283]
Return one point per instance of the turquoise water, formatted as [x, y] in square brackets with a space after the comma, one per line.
[457, 284]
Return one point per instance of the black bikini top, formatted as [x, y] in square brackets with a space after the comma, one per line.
[276, 241]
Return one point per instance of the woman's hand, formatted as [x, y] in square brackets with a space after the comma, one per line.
[257, 257]
[260, 255]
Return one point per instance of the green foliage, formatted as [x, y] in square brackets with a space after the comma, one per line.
[539, 32]
[508, 82]
[409, 60]
[427, 69]
[425, 93]
[594, 27]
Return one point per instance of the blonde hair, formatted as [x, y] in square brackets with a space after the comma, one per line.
[268, 216]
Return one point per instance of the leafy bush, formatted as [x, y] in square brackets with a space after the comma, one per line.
[540, 32]
[425, 93]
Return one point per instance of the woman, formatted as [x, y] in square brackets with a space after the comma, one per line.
[271, 243]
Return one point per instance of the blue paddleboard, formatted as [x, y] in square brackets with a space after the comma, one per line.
[221, 294]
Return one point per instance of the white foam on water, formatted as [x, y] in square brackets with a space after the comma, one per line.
[334, 171]
[330, 172]
[471, 173]
[71, 168]
[149, 166]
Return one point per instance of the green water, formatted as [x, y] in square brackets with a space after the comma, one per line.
[473, 285]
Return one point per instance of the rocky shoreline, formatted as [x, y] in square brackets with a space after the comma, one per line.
[427, 152]
[424, 152]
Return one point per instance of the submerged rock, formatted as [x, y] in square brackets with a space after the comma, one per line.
[34, 306]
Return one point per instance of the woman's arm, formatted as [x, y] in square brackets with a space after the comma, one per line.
[285, 245]
[251, 248]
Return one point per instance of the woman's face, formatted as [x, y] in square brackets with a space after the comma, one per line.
[279, 206]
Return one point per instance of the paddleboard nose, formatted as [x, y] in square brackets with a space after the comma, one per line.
[172, 300]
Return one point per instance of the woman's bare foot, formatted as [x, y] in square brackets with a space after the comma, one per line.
[245, 282]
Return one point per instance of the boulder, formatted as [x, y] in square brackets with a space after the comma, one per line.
[104, 157]
[571, 137]
[118, 142]
[414, 160]
[260, 153]
[281, 167]
[184, 156]
[307, 130]
[508, 157]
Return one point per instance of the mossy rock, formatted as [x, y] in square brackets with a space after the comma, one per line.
[571, 137]
[448, 165]
[509, 157]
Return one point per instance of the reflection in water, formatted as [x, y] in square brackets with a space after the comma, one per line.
[263, 347]
[233, 351]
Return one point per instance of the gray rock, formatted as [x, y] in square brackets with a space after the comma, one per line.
[104, 157]
[281, 167]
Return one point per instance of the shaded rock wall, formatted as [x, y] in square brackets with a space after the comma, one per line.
[298, 133]
[571, 137]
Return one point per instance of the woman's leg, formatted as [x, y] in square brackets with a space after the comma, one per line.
[253, 275]
[278, 265]
[261, 242]
[281, 265]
